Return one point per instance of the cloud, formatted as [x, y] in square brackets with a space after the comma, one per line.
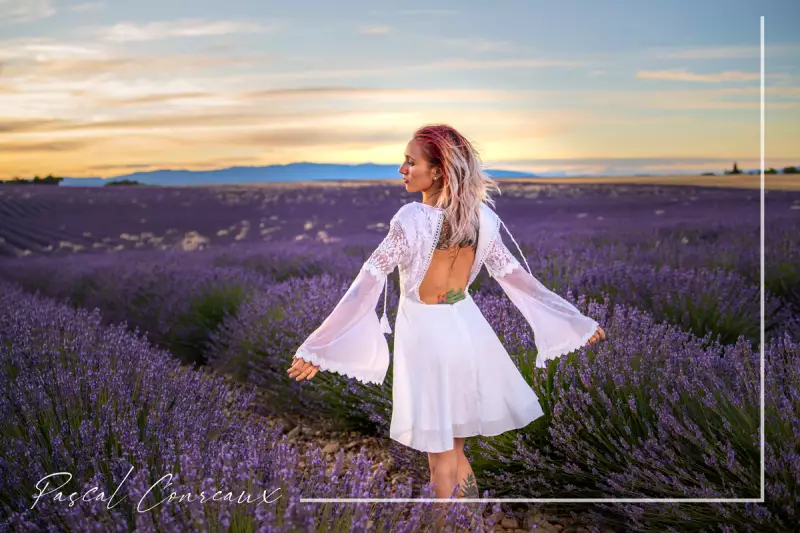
[191, 119]
[151, 31]
[284, 128]
[625, 161]
[28, 125]
[424, 12]
[694, 99]
[336, 135]
[87, 6]
[374, 30]
[414, 12]
[102, 107]
[45, 60]
[303, 137]
[193, 164]
[500, 63]
[400, 70]
[131, 166]
[157, 98]
[477, 44]
[681, 74]
[747, 51]
[44, 49]
[12, 11]
[386, 96]
[51, 146]
[770, 90]
[31, 60]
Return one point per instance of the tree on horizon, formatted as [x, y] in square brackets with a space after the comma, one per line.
[735, 169]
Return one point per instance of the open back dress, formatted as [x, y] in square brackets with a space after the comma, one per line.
[451, 377]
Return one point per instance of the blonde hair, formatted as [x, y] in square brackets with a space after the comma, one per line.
[465, 184]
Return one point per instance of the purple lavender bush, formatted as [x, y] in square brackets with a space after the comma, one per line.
[258, 343]
[283, 261]
[667, 406]
[256, 346]
[729, 245]
[176, 301]
[99, 403]
[655, 412]
[700, 300]
[782, 269]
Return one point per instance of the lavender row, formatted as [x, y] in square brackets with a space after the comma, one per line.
[88, 405]
[62, 221]
[655, 412]
[180, 298]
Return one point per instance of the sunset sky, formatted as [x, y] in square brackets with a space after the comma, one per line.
[109, 88]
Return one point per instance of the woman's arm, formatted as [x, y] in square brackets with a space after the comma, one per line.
[558, 326]
[350, 340]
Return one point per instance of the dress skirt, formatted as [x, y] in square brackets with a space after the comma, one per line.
[452, 377]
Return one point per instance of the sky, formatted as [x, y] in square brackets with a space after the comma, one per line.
[615, 87]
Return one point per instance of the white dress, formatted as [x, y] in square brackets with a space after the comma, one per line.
[451, 376]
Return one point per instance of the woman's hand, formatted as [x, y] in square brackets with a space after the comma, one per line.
[599, 335]
[302, 369]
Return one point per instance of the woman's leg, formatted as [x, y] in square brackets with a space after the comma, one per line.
[465, 476]
[444, 468]
[468, 486]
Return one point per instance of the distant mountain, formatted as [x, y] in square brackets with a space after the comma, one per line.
[271, 173]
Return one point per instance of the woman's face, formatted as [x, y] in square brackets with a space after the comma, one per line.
[417, 174]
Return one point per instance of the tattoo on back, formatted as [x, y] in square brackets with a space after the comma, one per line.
[443, 243]
[452, 296]
[445, 235]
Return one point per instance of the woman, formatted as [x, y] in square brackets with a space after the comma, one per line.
[452, 378]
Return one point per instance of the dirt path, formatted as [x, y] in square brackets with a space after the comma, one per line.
[320, 434]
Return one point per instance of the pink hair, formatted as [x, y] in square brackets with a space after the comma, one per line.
[465, 184]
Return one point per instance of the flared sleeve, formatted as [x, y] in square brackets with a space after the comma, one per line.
[558, 326]
[350, 341]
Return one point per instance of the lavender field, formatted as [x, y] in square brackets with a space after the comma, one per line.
[163, 314]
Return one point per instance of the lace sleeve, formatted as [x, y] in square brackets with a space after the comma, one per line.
[499, 260]
[350, 341]
[392, 251]
[558, 326]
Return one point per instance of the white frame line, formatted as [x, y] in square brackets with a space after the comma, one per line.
[628, 500]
